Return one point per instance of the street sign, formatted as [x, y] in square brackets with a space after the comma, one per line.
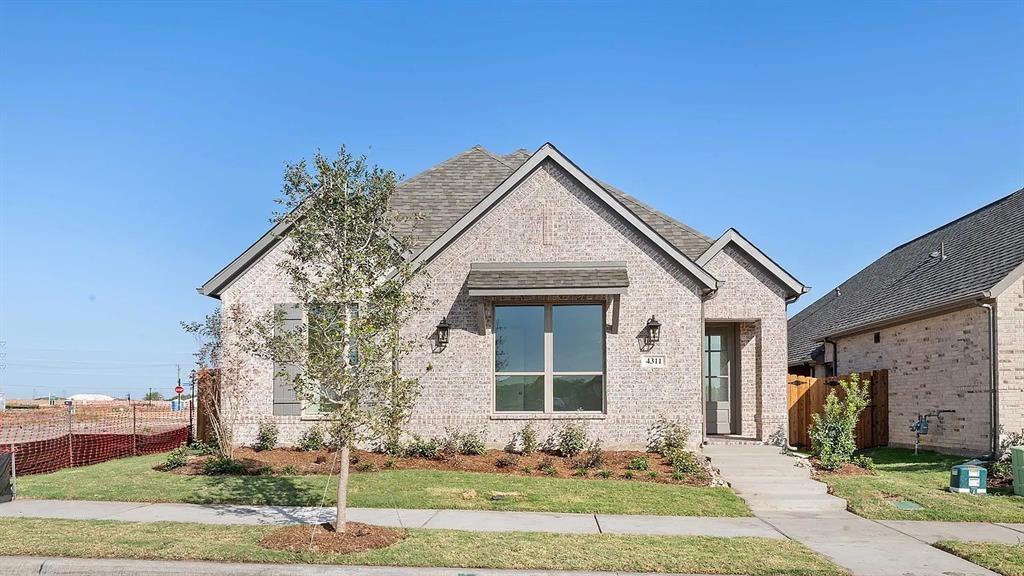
[178, 390]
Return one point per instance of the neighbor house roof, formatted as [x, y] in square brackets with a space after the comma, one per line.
[433, 201]
[530, 278]
[984, 252]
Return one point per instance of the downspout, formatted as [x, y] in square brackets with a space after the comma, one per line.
[992, 378]
[703, 376]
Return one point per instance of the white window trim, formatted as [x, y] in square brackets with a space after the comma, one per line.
[549, 384]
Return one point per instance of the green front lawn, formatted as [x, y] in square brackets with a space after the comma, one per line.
[134, 480]
[922, 479]
[1007, 559]
[440, 548]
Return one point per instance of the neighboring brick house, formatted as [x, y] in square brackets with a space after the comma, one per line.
[552, 282]
[922, 311]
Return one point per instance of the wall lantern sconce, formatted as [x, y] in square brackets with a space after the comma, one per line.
[443, 330]
[653, 331]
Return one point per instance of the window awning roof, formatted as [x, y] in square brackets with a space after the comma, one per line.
[547, 278]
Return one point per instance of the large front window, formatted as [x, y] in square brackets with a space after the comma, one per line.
[549, 358]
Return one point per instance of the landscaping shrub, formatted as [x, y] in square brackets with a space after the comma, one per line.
[448, 446]
[652, 475]
[604, 473]
[547, 466]
[683, 461]
[833, 432]
[640, 464]
[176, 458]
[678, 475]
[222, 465]
[1002, 467]
[570, 439]
[470, 444]
[628, 474]
[581, 472]
[528, 437]
[312, 439]
[666, 435]
[266, 437]
[422, 448]
[507, 461]
[290, 470]
[389, 464]
[591, 458]
[1001, 470]
[200, 448]
[865, 462]
[366, 467]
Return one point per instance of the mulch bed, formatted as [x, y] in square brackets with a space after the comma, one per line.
[848, 469]
[356, 538]
[297, 462]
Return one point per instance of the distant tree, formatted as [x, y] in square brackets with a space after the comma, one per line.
[153, 396]
[348, 271]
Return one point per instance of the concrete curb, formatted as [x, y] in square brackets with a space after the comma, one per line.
[35, 566]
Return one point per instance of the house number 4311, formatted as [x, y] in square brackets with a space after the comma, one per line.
[650, 361]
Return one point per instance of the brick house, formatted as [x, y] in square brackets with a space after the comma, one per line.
[944, 313]
[553, 284]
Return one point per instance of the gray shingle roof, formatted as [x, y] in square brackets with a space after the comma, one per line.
[535, 275]
[433, 200]
[982, 248]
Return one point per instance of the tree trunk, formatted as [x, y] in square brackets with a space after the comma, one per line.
[342, 516]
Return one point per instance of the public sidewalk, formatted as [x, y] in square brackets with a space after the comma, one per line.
[471, 520]
[494, 521]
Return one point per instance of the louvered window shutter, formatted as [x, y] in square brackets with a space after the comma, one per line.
[286, 401]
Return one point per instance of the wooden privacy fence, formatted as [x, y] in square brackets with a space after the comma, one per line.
[807, 397]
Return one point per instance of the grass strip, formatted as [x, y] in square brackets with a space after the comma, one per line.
[1006, 559]
[921, 478]
[438, 548]
[134, 480]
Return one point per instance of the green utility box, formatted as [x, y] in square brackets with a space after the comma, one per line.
[968, 479]
[1017, 462]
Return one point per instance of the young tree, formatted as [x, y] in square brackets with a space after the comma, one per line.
[216, 369]
[834, 431]
[153, 396]
[349, 274]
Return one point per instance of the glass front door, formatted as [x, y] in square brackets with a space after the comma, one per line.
[718, 379]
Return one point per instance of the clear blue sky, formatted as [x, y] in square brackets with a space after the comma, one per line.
[141, 145]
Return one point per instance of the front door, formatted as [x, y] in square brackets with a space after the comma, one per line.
[718, 374]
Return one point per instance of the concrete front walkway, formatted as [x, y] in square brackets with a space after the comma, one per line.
[781, 493]
[31, 566]
[472, 520]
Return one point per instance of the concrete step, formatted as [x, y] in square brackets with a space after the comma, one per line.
[782, 490]
[815, 503]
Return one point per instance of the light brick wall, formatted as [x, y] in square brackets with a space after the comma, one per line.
[1010, 357]
[749, 294]
[934, 363]
[457, 390]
